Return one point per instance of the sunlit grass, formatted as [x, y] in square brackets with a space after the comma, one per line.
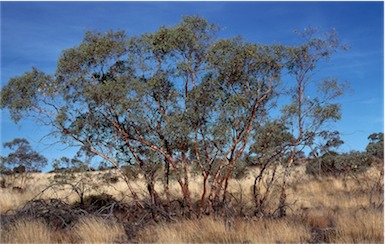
[351, 207]
[208, 230]
[96, 230]
[360, 226]
[26, 231]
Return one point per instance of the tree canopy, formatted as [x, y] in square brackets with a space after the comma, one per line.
[23, 155]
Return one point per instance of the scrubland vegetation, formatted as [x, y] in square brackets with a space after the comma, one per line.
[196, 139]
[345, 209]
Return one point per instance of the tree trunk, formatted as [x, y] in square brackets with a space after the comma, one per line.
[282, 198]
[205, 176]
[166, 184]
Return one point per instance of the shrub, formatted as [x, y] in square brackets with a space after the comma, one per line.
[240, 170]
[94, 203]
[334, 164]
[2, 182]
[110, 178]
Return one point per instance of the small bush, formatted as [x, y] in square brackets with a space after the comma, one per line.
[95, 202]
[240, 170]
[2, 182]
[110, 178]
[334, 164]
[130, 171]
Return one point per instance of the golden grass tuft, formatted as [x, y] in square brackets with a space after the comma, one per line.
[97, 230]
[208, 230]
[361, 226]
[27, 231]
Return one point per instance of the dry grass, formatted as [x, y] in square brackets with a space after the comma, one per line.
[87, 230]
[10, 199]
[351, 208]
[209, 230]
[27, 231]
[361, 226]
[13, 199]
[94, 230]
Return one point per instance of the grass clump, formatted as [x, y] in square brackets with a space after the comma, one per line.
[97, 230]
[208, 230]
[26, 231]
[365, 225]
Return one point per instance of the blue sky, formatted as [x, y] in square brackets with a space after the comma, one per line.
[35, 33]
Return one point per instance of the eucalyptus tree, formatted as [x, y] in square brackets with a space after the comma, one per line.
[234, 96]
[169, 98]
[121, 98]
[23, 155]
[313, 103]
[171, 63]
[23, 159]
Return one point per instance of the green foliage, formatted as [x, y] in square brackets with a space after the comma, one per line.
[329, 142]
[376, 145]
[312, 101]
[19, 163]
[110, 178]
[271, 141]
[332, 163]
[240, 170]
[21, 94]
[335, 164]
[23, 155]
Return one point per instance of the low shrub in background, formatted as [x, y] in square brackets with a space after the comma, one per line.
[333, 164]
